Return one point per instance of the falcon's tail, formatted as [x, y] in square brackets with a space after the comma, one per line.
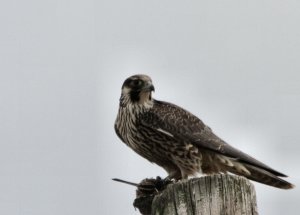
[260, 175]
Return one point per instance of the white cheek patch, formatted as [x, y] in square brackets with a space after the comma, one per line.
[165, 132]
[126, 90]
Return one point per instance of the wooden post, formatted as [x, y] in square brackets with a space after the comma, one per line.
[210, 195]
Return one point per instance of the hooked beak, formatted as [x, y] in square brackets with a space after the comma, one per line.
[149, 87]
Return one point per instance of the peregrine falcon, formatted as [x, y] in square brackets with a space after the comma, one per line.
[178, 141]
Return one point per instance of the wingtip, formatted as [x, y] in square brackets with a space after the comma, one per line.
[281, 174]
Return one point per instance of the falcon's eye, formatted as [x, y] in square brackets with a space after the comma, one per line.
[136, 83]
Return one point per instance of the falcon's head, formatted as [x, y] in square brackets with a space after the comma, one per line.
[137, 89]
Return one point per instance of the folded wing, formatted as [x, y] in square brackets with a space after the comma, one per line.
[184, 125]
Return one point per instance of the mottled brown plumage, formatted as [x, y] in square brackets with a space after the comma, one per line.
[180, 142]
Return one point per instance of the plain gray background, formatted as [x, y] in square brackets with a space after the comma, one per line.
[235, 64]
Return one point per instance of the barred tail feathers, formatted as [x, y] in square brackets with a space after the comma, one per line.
[259, 175]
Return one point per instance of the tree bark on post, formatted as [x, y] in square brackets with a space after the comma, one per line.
[213, 195]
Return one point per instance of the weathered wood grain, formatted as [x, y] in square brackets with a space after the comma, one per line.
[210, 195]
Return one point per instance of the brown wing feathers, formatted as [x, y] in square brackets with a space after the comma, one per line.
[183, 124]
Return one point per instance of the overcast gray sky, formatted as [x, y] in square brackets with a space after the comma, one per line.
[235, 64]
